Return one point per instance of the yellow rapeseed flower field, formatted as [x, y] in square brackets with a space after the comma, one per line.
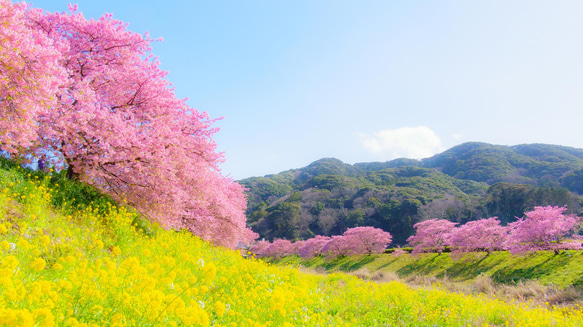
[90, 266]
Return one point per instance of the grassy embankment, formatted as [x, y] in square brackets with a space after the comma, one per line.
[71, 257]
[539, 277]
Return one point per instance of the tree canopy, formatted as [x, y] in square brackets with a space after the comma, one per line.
[109, 117]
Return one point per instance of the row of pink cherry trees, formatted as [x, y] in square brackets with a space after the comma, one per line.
[544, 228]
[357, 240]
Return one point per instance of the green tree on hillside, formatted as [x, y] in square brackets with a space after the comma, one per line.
[282, 221]
[507, 201]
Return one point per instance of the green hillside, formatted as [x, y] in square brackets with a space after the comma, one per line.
[466, 182]
[538, 164]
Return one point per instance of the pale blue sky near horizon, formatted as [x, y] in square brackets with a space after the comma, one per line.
[365, 81]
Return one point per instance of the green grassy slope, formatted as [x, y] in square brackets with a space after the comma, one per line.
[562, 270]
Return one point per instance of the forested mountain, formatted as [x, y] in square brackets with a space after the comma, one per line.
[467, 182]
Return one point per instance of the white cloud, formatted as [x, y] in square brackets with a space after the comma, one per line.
[456, 136]
[409, 142]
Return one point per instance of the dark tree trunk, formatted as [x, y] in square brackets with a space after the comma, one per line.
[71, 174]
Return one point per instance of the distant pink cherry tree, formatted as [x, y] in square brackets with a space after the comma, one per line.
[297, 245]
[30, 77]
[312, 247]
[279, 249]
[543, 228]
[117, 124]
[339, 246]
[431, 235]
[569, 245]
[368, 240]
[259, 248]
[485, 235]
[398, 252]
[248, 239]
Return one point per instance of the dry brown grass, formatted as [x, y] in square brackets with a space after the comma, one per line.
[484, 284]
[313, 271]
[549, 295]
[530, 292]
[377, 276]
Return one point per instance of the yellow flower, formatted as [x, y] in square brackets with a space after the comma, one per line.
[277, 300]
[38, 264]
[116, 250]
[210, 271]
[220, 308]
[44, 317]
[65, 284]
[193, 315]
[4, 245]
[23, 243]
[99, 244]
[9, 262]
[72, 322]
[45, 240]
[15, 317]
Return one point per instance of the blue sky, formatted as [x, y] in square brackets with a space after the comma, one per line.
[365, 81]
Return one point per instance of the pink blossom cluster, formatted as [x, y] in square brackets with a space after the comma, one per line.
[544, 228]
[398, 252]
[30, 76]
[357, 240]
[484, 235]
[89, 94]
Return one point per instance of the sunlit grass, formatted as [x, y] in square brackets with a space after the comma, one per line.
[563, 270]
[77, 263]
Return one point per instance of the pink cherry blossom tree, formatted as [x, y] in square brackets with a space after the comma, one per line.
[481, 235]
[117, 124]
[313, 246]
[398, 252]
[543, 228]
[338, 246]
[30, 77]
[259, 248]
[248, 238]
[279, 249]
[297, 245]
[431, 235]
[368, 240]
